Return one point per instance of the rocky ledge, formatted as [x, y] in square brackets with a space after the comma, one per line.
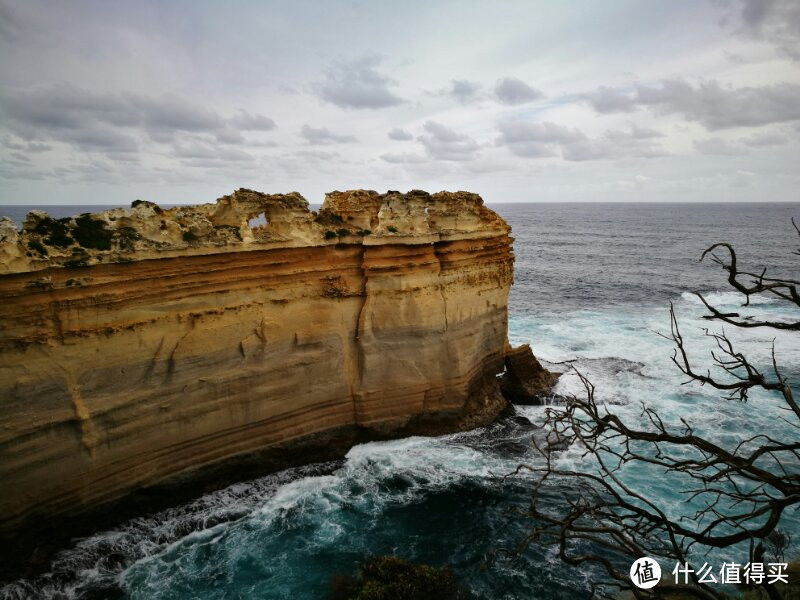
[149, 354]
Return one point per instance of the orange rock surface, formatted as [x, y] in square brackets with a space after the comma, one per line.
[147, 346]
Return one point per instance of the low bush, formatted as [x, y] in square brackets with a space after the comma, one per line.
[394, 578]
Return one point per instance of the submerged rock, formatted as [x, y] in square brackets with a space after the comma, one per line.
[394, 578]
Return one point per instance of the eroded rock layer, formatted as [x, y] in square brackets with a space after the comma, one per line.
[144, 347]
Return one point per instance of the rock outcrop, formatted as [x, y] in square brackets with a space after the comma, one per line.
[151, 349]
[525, 380]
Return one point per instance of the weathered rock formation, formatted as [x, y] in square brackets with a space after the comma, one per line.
[525, 380]
[147, 348]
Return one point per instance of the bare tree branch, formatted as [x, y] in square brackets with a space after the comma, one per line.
[739, 493]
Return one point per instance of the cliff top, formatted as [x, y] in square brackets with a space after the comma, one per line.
[243, 220]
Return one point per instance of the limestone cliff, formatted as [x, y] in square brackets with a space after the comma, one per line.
[151, 347]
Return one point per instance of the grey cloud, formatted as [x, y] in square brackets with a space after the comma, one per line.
[463, 90]
[196, 150]
[404, 159]
[719, 147]
[171, 112]
[113, 123]
[644, 133]
[722, 147]
[775, 21]
[754, 12]
[62, 107]
[358, 85]
[615, 144]
[709, 103]
[229, 136]
[322, 135]
[247, 122]
[442, 143]
[26, 146]
[21, 157]
[536, 140]
[512, 91]
[609, 100]
[400, 135]
[10, 25]
[316, 155]
[764, 139]
[546, 139]
[98, 137]
[735, 57]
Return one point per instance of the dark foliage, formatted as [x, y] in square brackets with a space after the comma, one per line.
[92, 233]
[393, 578]
[34, 245]
[55, 232]
[126, 236]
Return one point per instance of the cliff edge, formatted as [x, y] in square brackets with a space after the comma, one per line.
[151, 349]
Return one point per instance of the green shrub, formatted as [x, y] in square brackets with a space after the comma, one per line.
[393, 578]
[343, 232]
[34, 245]
[154, 206]
[392, 228]
[56, 231]
[329, 235]
[365, 232]
[91, 233]
[128, 233]
[188, 236]
[126, 236]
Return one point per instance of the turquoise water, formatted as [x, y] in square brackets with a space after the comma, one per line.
[441, 500]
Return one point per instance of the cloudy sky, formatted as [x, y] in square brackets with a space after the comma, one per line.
[183, 101]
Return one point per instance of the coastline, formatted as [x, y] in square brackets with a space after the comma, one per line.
[190, 349]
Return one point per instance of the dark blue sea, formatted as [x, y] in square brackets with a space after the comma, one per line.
[593, 284]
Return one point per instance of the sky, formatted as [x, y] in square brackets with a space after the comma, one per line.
[105, 102]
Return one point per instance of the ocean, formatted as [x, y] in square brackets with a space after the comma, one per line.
[593, 285]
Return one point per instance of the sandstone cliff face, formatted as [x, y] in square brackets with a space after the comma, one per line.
[144, 347]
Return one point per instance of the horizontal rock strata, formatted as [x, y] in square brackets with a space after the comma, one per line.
[159, 347]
